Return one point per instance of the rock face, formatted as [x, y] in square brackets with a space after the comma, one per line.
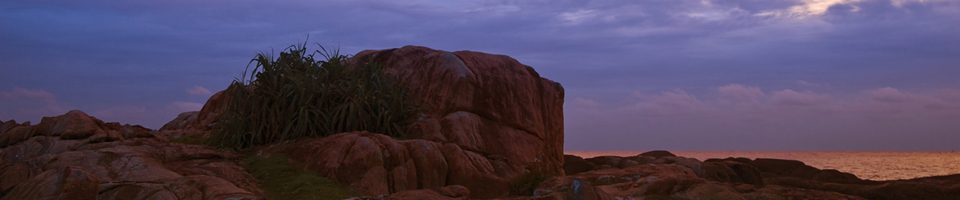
[196, 123]
[81, 157]
[489, 116]
[490, 105]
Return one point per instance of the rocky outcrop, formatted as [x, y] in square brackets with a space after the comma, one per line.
[732, 170]
[797, 169]
[196, 123]
[485, 119]
[491, 117]
[80, 157]
[667, 176]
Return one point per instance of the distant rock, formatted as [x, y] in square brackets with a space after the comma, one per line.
[197, 123]
[658, 154]
[730, 178]
[732, 171]
[575, 164]
[797, 169]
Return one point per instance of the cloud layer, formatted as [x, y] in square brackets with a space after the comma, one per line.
[805, 69]
[747, 118]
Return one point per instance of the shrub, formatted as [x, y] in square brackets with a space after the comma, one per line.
[282, 180]
[526, 183]
[295, 96]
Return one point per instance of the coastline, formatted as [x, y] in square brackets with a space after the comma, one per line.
[869, 165]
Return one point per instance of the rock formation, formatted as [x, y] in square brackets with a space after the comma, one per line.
[660, 175]
[485, 119]
[80, 157]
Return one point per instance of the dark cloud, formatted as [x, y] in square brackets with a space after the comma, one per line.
[677, 66]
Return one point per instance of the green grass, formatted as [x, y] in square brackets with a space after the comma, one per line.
[282, 180]
[526, 183]
[298, 96]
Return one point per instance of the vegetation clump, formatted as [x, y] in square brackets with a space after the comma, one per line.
[282, 180]
[524, 184]
[296, 96]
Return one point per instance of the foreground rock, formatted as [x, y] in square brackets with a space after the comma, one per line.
[660, 175]
[80, 157]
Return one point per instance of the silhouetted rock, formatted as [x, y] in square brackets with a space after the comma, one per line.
[797, 169]
[658, 154]
[731, 171]
[575, 164]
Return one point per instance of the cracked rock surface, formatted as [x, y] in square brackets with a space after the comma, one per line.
[81, 157]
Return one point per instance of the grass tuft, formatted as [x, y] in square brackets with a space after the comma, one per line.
[526, 183]
[282, 180]
[297, 96]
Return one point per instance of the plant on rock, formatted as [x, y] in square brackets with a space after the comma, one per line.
[295, 96]
[525, 183]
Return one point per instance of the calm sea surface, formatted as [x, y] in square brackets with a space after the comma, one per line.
[872, 165]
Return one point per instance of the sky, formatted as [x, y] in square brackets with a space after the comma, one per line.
[772, 75]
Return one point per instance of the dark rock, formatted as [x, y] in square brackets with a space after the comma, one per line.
[658, 154]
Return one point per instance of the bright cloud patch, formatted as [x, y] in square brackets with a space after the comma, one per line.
[579, 16]
[809, 8]
[197, 90]
[28, 105]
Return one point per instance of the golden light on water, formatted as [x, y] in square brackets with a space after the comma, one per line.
[872, 165]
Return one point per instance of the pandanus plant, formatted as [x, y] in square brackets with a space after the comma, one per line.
[296, 96]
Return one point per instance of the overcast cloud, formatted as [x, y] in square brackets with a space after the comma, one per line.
[639, 75]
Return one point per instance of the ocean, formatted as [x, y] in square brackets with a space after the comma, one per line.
[871, 165]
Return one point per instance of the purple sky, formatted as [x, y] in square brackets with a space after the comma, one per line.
[639, 75]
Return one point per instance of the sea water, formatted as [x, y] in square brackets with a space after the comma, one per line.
[871, 165]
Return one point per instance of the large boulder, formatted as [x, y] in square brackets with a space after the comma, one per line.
[491, 105]
[485, 119]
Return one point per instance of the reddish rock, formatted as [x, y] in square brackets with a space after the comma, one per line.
[197, 123]
[658, 154]
[612, 161]
[490, 104]
[567, 187]
[431, 166]
[374, 164]
[575, 164]
[453, 192]
[65, 183]
[80, 155]
[797, 169]
[731, 171]
[778, 192]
